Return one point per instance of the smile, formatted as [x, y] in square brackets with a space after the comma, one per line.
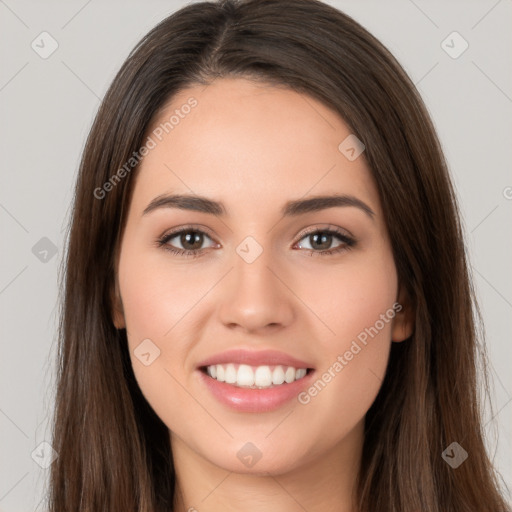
[255, 377]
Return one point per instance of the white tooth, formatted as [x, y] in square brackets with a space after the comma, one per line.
[255, 377]
[220, 373]
[289, 376]
[230, 374]
[262, 376]
[301, 372]
[278, 375]
[245, 375]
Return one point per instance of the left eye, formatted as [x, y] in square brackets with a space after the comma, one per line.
[323, 240]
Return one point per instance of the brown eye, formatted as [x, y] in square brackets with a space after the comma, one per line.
[186, 242]
[191, 240]
[320, 242]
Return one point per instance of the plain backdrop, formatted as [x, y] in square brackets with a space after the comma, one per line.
[46, 109]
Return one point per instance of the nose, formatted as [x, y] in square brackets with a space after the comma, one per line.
[254, 297]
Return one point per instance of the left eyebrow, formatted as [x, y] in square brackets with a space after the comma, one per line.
[317, 203]
[291, 208]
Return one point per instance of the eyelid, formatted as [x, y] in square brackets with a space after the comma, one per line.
[188, 227]
[326, 227]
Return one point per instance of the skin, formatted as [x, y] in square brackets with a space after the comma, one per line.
[254, 147]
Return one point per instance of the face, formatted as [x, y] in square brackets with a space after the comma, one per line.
[314, 283]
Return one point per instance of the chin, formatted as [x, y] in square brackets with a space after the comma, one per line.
[257, 458]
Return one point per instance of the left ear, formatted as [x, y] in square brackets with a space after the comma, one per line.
[403, 322]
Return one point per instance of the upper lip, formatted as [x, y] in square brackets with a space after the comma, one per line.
[254, 358]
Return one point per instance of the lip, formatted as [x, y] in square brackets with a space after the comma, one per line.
[255, 400]
[254, 358]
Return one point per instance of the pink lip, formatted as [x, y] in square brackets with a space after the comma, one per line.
[255, 400]
[254, 358]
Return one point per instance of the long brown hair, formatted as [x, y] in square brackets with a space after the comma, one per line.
[114, 452]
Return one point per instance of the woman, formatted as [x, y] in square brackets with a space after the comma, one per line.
[208, 359]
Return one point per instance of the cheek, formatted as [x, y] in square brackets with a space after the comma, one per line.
[157, 296]
[350, 297]
[157, 304]
[357, 303]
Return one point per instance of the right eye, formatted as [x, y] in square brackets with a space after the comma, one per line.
[190, 240]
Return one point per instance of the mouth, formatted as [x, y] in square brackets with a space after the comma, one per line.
[255, 389]
[255, 377]
[254, 381]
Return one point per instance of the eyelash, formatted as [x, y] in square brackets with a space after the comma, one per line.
[347, 241]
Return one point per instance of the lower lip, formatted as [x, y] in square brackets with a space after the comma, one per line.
[255, 400]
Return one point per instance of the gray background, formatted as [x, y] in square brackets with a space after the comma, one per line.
[47, 106]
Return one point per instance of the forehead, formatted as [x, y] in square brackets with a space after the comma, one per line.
[249, 145]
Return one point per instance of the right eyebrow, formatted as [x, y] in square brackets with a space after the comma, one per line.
[317, 203]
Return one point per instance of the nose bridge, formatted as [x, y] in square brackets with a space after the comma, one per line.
[254, 296]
